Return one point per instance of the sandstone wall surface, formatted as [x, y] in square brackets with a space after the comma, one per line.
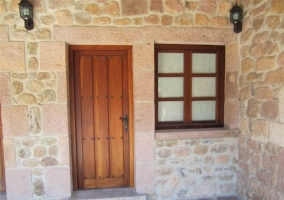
[261, 98]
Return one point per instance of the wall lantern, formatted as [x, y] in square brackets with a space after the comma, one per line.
[236, 15]
[26, 13]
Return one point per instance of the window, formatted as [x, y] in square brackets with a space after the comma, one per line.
[189, 86]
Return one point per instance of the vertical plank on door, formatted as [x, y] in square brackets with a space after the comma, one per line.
[101, 116]
[115, 80]
[87, 117]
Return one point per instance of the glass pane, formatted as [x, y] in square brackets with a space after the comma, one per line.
[170, 62]
[170, 111]
[204, 87]
[203, 110]
[204, 63]
[170, 87]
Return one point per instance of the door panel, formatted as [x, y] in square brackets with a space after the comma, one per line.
[101, 82]
[87, 117]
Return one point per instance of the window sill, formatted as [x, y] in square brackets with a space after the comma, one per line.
[180, 134]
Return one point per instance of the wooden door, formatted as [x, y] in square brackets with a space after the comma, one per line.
[101, 108]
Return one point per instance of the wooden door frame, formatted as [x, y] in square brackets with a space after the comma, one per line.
[72, 48]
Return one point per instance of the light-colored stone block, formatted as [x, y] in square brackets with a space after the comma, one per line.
[9, 153]
[144, 147]
[57, 182]
[276, 134]
[4, 33]
[144, 117]
[52, 56]
[62, 87]
[231, 113]
[143, 85]
[15, 121]
[64, 150]
[54, 119]
[18, 184]
[145, 177]
[5, 89]
[12, 56]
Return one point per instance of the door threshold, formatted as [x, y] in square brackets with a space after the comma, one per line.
[107, 194]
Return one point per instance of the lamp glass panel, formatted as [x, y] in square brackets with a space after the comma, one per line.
[25, 12]
[170, 62]
[204, 63]
[170, 111]
[204, 87]
[170, 87]
[203, 110]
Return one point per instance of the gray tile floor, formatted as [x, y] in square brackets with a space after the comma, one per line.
[118, 193]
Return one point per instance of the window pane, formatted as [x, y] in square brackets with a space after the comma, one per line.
[203, 110]
[203, 63]
[170, 87]
[204, 87]
[170, 111]
[170, 62]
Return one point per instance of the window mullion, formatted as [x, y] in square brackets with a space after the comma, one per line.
[187, 87]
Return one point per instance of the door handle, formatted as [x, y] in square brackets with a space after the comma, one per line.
[125, 120]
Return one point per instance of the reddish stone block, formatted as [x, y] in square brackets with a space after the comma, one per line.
[64, 150]
[15, 121]
[4, 30]
[12, 56]
[270, 162]
[136, 7]
[19, 184]
[269, 110]
[231, 85]
[55, 59]
[253, 145]
[231, 113]
[54, 119]
[232, 62]
[143, 56]
[144, 117]
[5, 89]
[62, 87]
[9, 149]
[144, 147]
[57, 182]
[143, 85]
[145, 177]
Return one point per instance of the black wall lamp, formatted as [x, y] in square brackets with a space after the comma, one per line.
[236, 16]
[26, 13]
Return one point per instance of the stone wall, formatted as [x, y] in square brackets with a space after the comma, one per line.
[34, 86]
[261, 153]
[196, 168]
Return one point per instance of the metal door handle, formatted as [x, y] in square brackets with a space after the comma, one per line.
[125, 120]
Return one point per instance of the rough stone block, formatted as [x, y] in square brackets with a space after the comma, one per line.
[54, 119]
[137, 7]
[143, 56]
[144, 147]
[5, 89]
[52, 56]
[145, 177]
[12, 56]
[62, 87]
[143, 85]
[64, 150]
[231, 113]
[231, 85]
[18, 184]
[276, 134]
[15, 121]
[57, 182]
[260, 131]
[4, 30]
[144, 123]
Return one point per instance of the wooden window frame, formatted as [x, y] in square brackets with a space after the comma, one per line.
[187, 99]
